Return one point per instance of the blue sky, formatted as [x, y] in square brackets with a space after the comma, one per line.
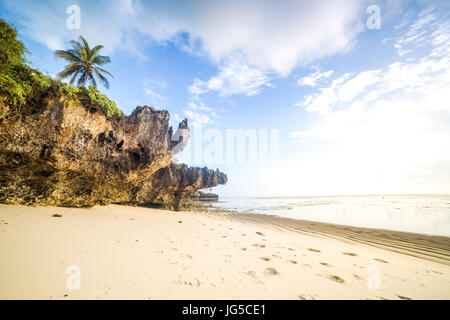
[357, 110]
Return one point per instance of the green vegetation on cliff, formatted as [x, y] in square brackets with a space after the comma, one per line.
[22, 85]
[138, 109]
[91, 97]
[18, 81]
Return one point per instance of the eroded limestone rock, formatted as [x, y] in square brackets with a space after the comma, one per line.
[69, 155]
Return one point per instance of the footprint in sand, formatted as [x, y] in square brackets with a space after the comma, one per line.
[184, 255]
[244, 249]
[265, 258]
[182, 283]
[313, 250]
[251, 274]
[380, 260]
[306, 297]
[57, 215]
[325, 264]
[259, 245]
[260, 233]
[292, 261]
[254, 276]
[336, 278]
[404, 298]
[271, 272]
[350, 254]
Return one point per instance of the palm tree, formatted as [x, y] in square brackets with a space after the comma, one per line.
[84, 63]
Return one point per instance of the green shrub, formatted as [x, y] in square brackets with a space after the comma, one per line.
[70, 93]
[91, 97]
[12, 50]
[14, 93]
[108, 106]
[18, 81]
[138, 109]
[12, 56]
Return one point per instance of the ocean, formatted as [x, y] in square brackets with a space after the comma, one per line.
[424, 214]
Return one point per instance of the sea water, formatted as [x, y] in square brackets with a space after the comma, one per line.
[426, 214]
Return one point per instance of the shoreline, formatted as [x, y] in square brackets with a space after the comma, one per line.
[142, 253]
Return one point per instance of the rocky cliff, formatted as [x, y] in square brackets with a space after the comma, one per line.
[64, 153]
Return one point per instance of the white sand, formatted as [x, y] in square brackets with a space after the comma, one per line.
[140, 253]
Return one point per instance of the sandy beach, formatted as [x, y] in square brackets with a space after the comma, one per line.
[126, 252]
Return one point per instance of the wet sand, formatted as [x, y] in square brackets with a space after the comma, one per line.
[140, 253]
[434, 248]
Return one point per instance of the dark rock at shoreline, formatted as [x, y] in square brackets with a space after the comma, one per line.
[203, 196]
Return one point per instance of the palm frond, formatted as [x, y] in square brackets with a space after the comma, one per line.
[101, 78]
[74, 77]
[68, 55]
[82, 80]
[69, 69]
[84, 63]
[100, 60]
[94, 51]
[85, 44]
[104, 71]
[92, 79]
[76, 45]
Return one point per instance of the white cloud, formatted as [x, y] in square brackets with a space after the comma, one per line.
[197, 119]
[151, 86]
[268, 36]
[199, 106]
[353, 87]
[235, 76]
[387, 126]
[428, 27]
[199, 115]
[155, 97]
[313, 79]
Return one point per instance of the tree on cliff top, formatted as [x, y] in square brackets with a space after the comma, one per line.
[18, 81]
[12, 50]
[84, 64]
